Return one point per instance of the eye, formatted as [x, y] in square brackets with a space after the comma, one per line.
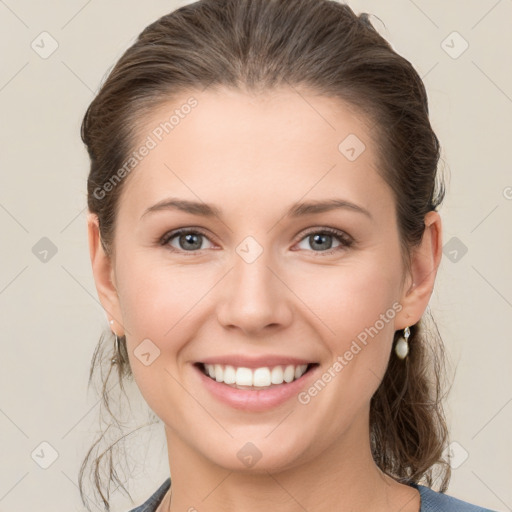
[191, 240]
[188, 240]
[322, 240]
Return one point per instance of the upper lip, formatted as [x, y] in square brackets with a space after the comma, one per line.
[240, 361]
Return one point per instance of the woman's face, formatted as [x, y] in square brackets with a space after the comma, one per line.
[259, 283]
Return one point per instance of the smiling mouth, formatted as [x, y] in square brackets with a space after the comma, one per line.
[254, 379]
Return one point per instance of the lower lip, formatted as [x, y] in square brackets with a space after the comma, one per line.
[259, 399]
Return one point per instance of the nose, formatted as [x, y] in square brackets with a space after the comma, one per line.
[255, 298]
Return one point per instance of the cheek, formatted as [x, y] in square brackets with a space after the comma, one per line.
[155, 302]
[165, 304]
[154, 296]
[352, 297]
[355, 307]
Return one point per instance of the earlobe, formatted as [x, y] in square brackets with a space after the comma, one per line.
[425, 260]
[102, 271]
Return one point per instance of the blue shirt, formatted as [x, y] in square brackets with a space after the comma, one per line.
[431, 501]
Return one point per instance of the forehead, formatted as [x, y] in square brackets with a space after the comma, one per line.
[280, 145]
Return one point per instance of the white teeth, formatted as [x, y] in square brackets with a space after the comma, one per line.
[229, 375]
[276, 376]
[259, 377]
[289, 373]
[219, 373]
[243, 377]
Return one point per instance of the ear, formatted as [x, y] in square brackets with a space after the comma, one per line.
[425, 260]
[104, 277]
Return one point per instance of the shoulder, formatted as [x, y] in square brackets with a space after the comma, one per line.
[432, 501]
[151, 504]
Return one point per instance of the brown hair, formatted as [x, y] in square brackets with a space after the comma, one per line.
[256, 45]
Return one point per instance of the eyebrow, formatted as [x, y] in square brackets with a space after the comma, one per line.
[296, 210]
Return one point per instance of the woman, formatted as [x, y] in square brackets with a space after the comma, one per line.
[264, 239]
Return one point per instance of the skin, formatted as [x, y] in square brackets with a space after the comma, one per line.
[253, 156]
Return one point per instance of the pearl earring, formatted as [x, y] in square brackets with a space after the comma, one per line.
[402, 345]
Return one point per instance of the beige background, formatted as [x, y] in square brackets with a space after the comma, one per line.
[50, 316]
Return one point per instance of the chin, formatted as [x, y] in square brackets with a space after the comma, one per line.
[257, 457]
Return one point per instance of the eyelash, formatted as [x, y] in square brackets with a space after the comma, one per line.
[345, 240]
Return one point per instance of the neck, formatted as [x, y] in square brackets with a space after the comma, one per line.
[341, 477]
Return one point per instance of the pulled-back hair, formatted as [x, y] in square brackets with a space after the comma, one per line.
[255, 46]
